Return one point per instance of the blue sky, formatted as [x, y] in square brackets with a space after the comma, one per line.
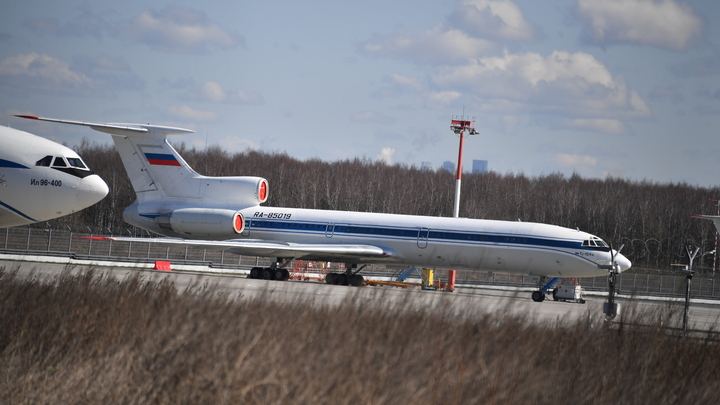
[626, 88]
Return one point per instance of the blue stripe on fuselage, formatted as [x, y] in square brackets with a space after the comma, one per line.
[11, 164]
[387, 232]
[16, 211]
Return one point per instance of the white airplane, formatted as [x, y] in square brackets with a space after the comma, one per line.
[41, 180]
[225, 213]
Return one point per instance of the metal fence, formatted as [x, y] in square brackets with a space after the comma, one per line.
[66, 242]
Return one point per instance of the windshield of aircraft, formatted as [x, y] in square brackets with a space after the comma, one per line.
[70, 165]
[595, 242]
[76, 163]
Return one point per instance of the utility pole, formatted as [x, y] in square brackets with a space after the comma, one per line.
[460, 126]
[717, 234]
[688, 271]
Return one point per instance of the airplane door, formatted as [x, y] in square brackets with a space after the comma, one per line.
[329, 230]
[422, 240]
[248, 225]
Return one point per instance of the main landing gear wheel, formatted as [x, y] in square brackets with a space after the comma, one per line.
[356, 280]
[256, 272]
[538, 296]
[282, 275]
[269, 273]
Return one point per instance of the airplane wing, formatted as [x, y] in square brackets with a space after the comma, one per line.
[255, 247]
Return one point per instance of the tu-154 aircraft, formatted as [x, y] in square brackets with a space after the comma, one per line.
[41, 180]
[226, 213]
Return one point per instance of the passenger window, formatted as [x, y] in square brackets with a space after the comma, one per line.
[59, 162]
[44, 161]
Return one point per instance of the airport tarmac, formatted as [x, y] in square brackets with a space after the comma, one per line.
[464, 301]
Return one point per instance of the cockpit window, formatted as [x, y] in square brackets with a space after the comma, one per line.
[59, 162]
[73, 166]
[596, 243]
[77, 163]
[44, 161]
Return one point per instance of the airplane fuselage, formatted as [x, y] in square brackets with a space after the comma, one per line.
[420, 241]
[42, 180]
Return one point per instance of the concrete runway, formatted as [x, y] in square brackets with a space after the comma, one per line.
[464, 301]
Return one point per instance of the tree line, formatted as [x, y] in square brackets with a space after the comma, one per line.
[651, 219]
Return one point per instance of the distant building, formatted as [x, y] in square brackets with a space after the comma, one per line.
[426, 166]
[480, 166]
[449, 166]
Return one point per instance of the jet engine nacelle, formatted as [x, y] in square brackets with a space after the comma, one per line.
[239, 191]
[207, 222]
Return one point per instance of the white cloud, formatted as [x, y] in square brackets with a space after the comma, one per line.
[41, 66]
[492, 19]
[436, 46]
[33, 71]
[213, 92]
[438, 100]
[188, 113]
[236, 144]
[575, 160]
[567, 83]
[608, 126]
[470, 31]
[373, 117]
[406, 81]
[663, 23]
[386, 155]
[178, 30]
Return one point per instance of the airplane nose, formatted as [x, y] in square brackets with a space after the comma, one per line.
[93, 189]
[622, 262]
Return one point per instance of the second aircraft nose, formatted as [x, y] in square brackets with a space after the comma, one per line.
[92, 190]
[622, 262]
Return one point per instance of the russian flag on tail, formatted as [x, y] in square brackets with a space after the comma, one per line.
[162, 159]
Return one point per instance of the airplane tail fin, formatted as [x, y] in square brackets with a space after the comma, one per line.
[150, 161]
[158, 172]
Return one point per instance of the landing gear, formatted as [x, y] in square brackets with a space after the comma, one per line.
[538, 296]
[347, 278]
[544, 284]
[271, 273]
[611, 308]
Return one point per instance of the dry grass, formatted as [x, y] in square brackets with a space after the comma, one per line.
[92, 339]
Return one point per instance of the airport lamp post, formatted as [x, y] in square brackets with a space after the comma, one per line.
[688, 271]
[459, 127]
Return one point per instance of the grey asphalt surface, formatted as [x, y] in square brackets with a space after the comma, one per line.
[464, 301]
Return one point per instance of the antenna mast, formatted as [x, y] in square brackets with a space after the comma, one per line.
[461, 125]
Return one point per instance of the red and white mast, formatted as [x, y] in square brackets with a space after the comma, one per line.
[460, 127]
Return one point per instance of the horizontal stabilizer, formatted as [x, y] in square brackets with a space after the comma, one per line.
[714, 218]
[119, 129]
